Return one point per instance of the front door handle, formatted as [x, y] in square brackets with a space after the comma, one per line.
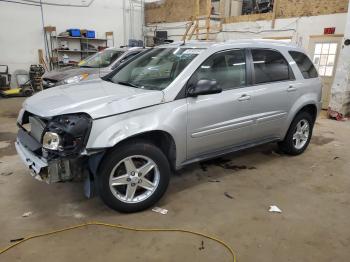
[291, 89]
[244, 98]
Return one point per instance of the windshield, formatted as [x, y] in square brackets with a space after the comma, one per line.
[155, 69]
[101, 59]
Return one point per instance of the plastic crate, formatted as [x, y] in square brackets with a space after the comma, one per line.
[74, 32]
[90, 34]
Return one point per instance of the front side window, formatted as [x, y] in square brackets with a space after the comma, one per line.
[270, 66]
[227, 68]
[101, 59]
[304, 63]
[155, 69]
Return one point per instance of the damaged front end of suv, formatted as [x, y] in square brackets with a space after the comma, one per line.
[54, 148]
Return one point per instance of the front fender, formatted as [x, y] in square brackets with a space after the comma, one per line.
[169, 117]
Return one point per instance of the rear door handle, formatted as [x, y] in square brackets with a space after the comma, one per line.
[291, 89]
[244, 98]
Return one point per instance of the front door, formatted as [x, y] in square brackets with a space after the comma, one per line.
[219, 121]
[324, 51]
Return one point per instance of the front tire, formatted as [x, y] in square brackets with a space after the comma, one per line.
[134, 176]
[299, 134]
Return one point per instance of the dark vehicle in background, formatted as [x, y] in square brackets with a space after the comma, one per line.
[97, 65]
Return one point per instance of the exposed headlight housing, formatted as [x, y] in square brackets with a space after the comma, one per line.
[51, 141]
[74, 79]
[66, 135]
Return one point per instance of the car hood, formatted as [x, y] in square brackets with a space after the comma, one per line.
[62, 74]
[98, 98]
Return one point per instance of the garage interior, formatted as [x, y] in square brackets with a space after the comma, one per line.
[227, 197]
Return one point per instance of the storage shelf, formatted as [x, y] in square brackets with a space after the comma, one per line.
[69, 64]
[80, 38]
[75, 45]
[76, 51]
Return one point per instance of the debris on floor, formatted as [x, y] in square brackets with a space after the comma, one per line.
[16, 239]
[271, 151]
[275, 153]
[223, 163]
[275, 209]
[336, 157]
[213, 180]
[160, 210]
[202, 246]
[27, 214]
[228, 195]
[7, 174]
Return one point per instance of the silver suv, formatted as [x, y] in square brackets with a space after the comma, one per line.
[171, 106]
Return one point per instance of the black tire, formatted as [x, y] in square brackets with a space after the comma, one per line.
[27, 92]
[134, 147]
[287, 145]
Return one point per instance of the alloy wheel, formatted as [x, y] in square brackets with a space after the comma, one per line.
[134, 179]
[301, 134]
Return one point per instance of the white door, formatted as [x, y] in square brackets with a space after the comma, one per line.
[324, 51]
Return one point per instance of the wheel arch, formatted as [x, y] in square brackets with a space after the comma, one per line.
[306, 106]
[310, 108]
[159, 138]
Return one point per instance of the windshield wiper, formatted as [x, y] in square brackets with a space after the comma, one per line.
[127, 84]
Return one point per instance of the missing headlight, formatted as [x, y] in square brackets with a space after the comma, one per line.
[66, 135]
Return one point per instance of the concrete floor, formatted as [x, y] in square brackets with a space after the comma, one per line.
[312, 190]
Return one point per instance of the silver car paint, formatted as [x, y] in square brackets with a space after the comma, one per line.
[200, 126]
[97, 98]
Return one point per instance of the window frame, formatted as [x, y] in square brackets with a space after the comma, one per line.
[247, 70]
[328, 54]
[109, 77]
[126, 57]
[301, 72]
[118, 68]
[291, 73]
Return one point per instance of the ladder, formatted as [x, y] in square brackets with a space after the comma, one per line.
[205, 27]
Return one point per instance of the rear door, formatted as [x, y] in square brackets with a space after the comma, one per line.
[219, 121]
[273, 93]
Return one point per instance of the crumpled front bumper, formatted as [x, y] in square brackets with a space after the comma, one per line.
[53, 171]
[37, 165]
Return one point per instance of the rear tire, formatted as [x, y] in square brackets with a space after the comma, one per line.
[134, 176]
[299, 134]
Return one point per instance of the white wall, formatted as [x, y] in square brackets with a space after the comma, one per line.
[21, 27]
[299, 29]
[340, 99]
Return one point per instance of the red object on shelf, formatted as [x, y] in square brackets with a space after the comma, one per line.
[329, 30]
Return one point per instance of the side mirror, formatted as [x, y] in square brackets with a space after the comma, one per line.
[204, 87]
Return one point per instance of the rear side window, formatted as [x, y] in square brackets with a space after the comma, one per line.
[305, 65]
[270, 66]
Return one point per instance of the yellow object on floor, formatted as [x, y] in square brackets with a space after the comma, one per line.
[221, 242]
[12, 91]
